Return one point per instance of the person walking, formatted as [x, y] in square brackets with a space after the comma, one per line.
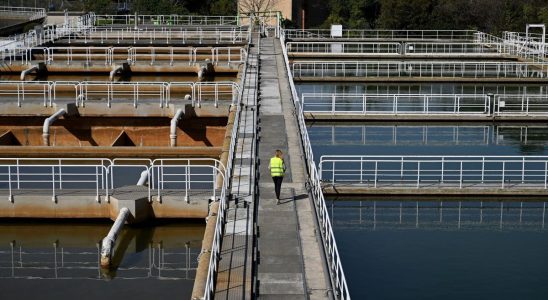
[277, 171]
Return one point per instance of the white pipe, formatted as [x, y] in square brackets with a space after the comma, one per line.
[24, 73]
[173, 127]
[144, 178]
[107, 245]
[47, 124]
[202, 72]
[115, 70]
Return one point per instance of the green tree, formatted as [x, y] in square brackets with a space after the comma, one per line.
[403, 14]
[223, 7]
[363, 13]
[159, 7]
[337, 14]
[543, 15]
[100, 7]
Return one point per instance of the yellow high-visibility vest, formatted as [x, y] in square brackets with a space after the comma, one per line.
[277, 167]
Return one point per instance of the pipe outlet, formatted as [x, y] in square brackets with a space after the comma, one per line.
[47, 124]
[24, 73]
[115, 70]
[143, 179]
[107, 245]
[173, 128]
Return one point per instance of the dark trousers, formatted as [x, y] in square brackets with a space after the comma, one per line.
[277, 185]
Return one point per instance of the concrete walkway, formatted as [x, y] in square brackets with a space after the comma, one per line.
[269, 250]
[289, 264]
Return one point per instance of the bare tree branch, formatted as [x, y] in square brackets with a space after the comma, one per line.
[253, 6]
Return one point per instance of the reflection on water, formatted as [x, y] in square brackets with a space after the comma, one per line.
[148, 257]
[435, 139]
[420, 88]
[438, 215]
[442, 250]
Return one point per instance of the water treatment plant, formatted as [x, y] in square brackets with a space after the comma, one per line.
[135, 149]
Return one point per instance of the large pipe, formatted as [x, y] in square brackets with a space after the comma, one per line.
[24, 73]
[47, 124]
[115, 69]
[173, 127]
[202, 72]
[107, 245]
[144, 178]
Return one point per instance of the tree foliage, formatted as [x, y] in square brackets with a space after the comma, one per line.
[165, 7]
[100, 7]
[485, 15]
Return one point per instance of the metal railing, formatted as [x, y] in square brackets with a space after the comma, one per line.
[111, 56]
[32, 38]
[100, 176]
[55, 175]
[397, 104]
[403, 35]
[420, 69]
[457, 49]
[437, 171]
[396, 48]
[213, 266]
[163, 20]
[32, 12]
[521, 105]
[514, 43]
[160, 35]
[93, 91]
[532, 42]
[342, 48]
[50, 92]
[228, 91]
[184, 175]
[334, 262]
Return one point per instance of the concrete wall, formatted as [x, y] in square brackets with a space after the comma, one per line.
[71, 204]
[141, 132]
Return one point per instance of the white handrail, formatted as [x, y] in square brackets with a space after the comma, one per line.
[357, 34]
[475, 172]
[397, 104]
[50, 33]
[165, 20]
[521, 105]
[344, 48]
[52, 92]
[170, 35]
[113, 56]
[33, 13]
[419, 69]
[221, 215]
[100, 175]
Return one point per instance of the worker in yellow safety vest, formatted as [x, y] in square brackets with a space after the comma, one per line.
[277, 171]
